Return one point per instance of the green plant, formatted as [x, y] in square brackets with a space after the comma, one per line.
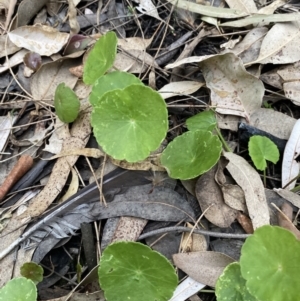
[19, 289]
[130, 120]
[32, 271]
[269, 268]
[129, 270]
[262, 149]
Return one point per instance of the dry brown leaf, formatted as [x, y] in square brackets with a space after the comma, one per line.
[211, 201]
[14, 60]
[72, 14]
[9, 48]
[204, 267]
[249, 180]
[245, 222]
[285, 216]
[43, 40]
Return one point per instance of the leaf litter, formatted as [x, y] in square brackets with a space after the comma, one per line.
[240, 83]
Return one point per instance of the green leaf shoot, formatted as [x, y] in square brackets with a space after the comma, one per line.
[270, 264]
[101, 58]
[21, 288]
[32, 271]
[202, 121]
[191, 154]
[232, 286]
[111, 81]
[66, 103]
[132, 271]
[262, 149]
[130, 123]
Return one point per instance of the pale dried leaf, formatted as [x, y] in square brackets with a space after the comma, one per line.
[14, 60]
[210, 11]
[249, 180]
[148, 8]
[79, 136]
[246, 6]
[290, 165]
[43, 40]
[211, 201]
[250, 44]
[290, 196]
[73, 187]
[72, 14]
[134, 43]
[88, 152]
[229, 122]
[179, 88]
[129, 228]
[192, 242]
[187, 288]
[280, 45]
[74, 296]
[57, 138]
[234, 91]
[135, 61]
[6, 122]
[269, 9]
[262, 20]
[204, 267]
[50, 75]
[9, 48]
[273, 122]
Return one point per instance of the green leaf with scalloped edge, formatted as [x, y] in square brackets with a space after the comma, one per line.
[66, 103]
[18, 289]
[133, 271]
[32, 271]
[191, 154]
[232, 286]
[101, 58]
[202, 121]
[111, 81]
[262, 149]
[270, 263]
[130, 123]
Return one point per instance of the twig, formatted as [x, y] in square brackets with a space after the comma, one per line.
[22, 166]
[195, 231]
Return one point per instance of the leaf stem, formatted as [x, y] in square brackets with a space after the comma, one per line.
[225, 145]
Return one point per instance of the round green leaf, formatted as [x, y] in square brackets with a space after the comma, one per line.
[203, 121]
[66, 103]
[32, 271]
[130, 123]
[111, 81]
[270, 263]
[18, 289]
[101, 58]
[132, 271]
[191, 154]
[232, 286]
[262, 149]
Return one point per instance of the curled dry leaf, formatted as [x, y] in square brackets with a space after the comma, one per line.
[43, 40]
[134, 43]
[246, 6]
[249, 180]
[204, 267]
[211, 201]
